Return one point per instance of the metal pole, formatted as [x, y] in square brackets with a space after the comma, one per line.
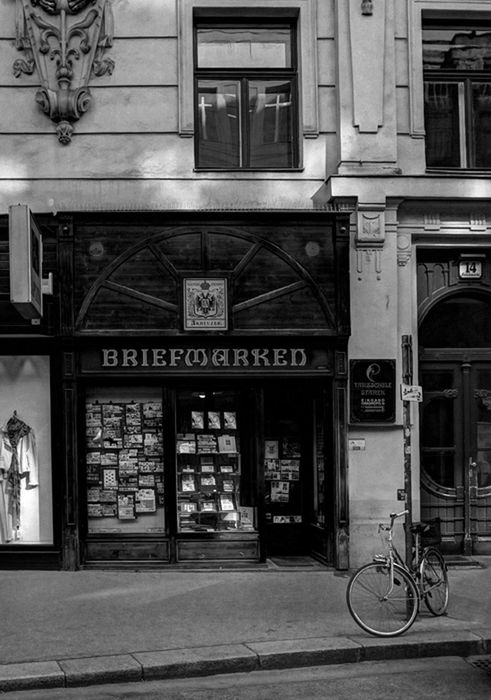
[407, 378]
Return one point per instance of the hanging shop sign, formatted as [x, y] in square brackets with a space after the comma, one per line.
[176, 359]
[26, 262]
[372, 391]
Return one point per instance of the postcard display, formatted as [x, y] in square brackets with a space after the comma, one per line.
[282, 480]
[124, 462]
[208, 472]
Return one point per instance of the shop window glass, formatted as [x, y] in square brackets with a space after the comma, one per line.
[26, 509]
[457, 73]
[210, 469]
[246, 104]
[124, 460]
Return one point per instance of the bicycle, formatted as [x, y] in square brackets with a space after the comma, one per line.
[384, 596]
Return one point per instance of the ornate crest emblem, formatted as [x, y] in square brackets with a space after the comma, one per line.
[205, 304]
[65, 41]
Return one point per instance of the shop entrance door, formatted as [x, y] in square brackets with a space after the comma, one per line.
[456, 447]
[294, 484]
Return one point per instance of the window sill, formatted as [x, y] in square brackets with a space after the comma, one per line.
[459, 172]
[248, 171]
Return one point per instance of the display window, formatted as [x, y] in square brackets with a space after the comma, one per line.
[26, 504]
[124, 460]
[210, 469]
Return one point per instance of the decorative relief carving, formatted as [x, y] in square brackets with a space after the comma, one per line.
[371, 229]
[431, 222]
[485, 396]
[66, 41]
[450, 393]
[404, 250]
[478, 222]
[365, 258]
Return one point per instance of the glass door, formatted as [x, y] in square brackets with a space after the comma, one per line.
[456, 451]
[287, 452]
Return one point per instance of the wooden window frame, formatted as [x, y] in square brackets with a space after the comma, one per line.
[464, 80]
[305, 10]
[243, 77]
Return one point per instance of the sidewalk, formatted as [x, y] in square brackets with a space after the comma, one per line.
[76, 628]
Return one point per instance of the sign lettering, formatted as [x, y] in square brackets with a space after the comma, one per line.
[204, 357]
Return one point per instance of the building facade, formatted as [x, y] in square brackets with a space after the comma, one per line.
[245, 278]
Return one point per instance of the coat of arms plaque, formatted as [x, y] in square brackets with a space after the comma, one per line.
[205, 304]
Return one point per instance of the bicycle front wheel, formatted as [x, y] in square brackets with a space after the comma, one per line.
[381, 604]
[434, 581]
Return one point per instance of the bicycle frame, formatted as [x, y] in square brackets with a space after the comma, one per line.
[393, 557]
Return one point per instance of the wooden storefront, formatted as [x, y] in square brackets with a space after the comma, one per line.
[202, 393]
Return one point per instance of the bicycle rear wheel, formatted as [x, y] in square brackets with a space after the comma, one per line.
[377, 607]
[434, 581]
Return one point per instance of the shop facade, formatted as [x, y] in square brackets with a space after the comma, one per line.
[199, 397]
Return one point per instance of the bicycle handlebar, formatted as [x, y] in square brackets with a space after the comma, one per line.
[393, 516]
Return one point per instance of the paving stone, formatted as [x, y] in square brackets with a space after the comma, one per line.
[101, 669]
[26, 676]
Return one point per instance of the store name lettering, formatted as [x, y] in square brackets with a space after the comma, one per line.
[204, 357]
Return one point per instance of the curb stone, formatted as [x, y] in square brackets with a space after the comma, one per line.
[237, 658]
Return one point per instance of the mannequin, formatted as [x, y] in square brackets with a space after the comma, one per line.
[18, 460]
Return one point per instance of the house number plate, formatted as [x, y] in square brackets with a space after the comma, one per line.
[470, 269]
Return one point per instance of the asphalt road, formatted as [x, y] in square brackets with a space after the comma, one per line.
[451, 678]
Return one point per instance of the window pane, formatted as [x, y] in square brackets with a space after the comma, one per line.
[124, 460]
[210, 496]
[442, 124]
[218, 124]
[481, 102]
[453, 49]
[270, 124]
[244, 47]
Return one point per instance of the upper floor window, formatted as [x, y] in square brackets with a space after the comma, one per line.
[457, 98]
[246, 95]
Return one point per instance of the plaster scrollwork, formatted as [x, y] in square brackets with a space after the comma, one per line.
[66, 42]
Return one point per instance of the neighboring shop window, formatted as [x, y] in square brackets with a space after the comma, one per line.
[457, 73]
[209, 468]
[26, 508]
[246, 95]
[124, 460]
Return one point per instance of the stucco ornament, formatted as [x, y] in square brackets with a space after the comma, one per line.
[65, 41]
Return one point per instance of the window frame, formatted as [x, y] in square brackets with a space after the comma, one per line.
[304, 10]
[417, 12]
[244, 77]
[464, 80]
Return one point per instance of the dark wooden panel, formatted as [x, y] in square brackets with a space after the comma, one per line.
[282, 274]
[206, 550]
[120, 550]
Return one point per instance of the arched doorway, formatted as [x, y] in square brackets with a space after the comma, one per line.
[455, 437]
